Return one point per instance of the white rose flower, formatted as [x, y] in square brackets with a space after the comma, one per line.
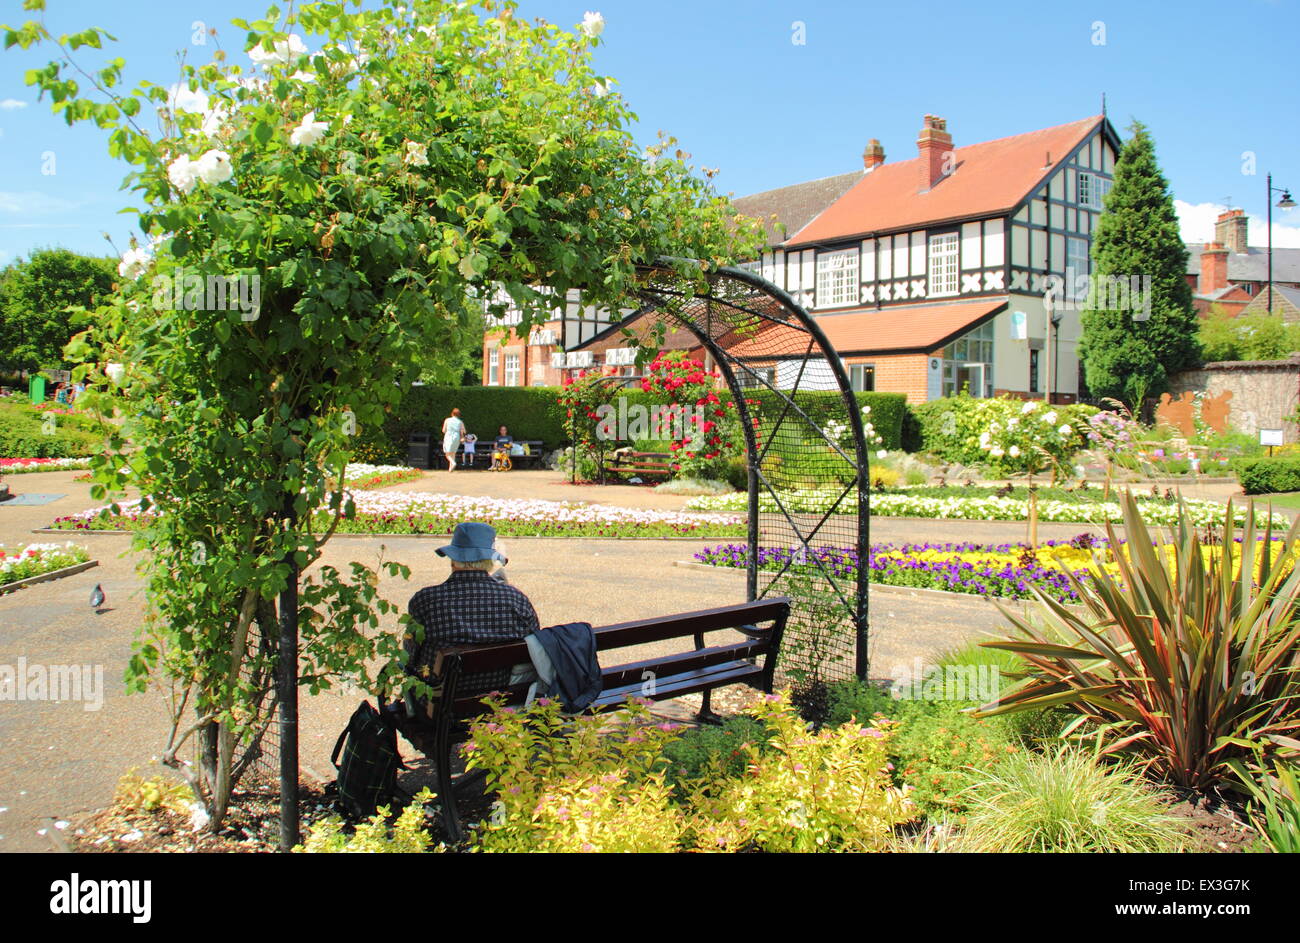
[1014, 451]
[882, 453]
[283, 51]
[866, 410]
[1013, 422]
[1065, 429]
[301, 76]
[214, 167]
[593, 24]
[134, 262]
[309, 132]
[183, 174]
[1049, 417]
[417, 155]
[115, 372]
[183, 98]
[997, 452]
[1029, 407]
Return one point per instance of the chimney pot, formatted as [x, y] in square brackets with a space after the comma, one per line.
[934, 145]
[873, 156]
[1230, 230]
[1214, 268]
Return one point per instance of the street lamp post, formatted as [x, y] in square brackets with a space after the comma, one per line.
[1285, 204]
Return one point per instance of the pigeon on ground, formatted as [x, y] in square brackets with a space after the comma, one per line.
[97, 597]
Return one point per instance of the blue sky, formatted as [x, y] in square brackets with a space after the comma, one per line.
[1213, 81]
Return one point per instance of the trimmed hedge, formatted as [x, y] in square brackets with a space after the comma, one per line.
[1268, 475]
[532, 412]
[23, 436]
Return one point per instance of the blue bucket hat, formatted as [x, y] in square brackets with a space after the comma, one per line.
[472, 541]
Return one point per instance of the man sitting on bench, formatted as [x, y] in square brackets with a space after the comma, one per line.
[472, 607]
[501, 451]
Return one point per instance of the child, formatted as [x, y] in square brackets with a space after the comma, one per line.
[468, 443]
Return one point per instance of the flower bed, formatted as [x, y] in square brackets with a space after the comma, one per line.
[422, 512]
[363, 477]
[1007, 570]
[963, 505]
[36, 559]
[21, 466]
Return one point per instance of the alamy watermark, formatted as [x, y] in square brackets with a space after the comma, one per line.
[178, 291]
[36, 682]
[630, 423]
[1130, 293]
[922, 682]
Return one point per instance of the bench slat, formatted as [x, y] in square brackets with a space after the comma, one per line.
[677, 685]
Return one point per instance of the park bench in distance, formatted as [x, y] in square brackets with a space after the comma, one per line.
[691, 672]
[642, 463]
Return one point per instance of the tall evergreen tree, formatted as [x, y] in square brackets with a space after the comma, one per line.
[1127, 357]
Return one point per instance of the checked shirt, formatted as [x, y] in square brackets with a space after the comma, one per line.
[470, 608]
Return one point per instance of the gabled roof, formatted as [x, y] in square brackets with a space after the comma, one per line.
[1251, 265]
[794, 206]
[870, 330]
[989, 178]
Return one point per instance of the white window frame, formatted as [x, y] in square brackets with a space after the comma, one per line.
[943, 269]
[1072, 260]
[494, 363]
[1092, 190]
[837, 278]
[512, 370]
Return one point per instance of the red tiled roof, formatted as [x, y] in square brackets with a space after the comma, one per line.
[989, 178]
[876, 330]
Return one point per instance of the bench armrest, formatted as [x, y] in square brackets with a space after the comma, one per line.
[752, 631]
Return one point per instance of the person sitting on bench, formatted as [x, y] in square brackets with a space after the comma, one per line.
[501, 450]
[467, 445]
[472, 607]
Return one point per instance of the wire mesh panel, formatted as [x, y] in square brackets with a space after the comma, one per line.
[807, 462]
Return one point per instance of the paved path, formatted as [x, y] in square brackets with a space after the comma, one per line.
[59, 759]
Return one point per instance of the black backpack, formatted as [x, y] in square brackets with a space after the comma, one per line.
[368, 772]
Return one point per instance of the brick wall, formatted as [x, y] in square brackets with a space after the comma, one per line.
[899, 373]
[1264, 392]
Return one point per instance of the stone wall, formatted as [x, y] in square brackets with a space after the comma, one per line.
[1265, 393]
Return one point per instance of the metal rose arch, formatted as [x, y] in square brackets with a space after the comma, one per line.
[807, 458]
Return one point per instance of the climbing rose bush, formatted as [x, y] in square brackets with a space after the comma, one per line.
[359, 177]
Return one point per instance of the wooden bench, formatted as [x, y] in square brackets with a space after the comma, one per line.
[642, 463]
[762, 623]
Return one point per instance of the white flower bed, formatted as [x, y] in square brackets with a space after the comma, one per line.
[477, 508]
[54, 464]
[35, 559]
[1200, 513]
[387, 504]
[359, 470]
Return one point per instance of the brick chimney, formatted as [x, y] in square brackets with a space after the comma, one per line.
[1214, 268]
[873, 156]
[1230, 230]
[935, 145]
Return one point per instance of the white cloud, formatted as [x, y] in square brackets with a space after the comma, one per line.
[31, 203]
[11, 104]
[1196, 223]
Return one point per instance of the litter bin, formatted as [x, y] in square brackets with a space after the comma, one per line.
[417, 450]
[36, 388]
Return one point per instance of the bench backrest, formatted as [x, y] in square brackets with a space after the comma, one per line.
[762, 622]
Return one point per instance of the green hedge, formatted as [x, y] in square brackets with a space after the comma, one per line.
[1265, 475]
[22, 435]
[532, 412]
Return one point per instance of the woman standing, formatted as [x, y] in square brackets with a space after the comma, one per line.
[453, 430]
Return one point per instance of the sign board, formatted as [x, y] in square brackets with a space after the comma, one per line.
[1270, 436]
[1019, 326]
